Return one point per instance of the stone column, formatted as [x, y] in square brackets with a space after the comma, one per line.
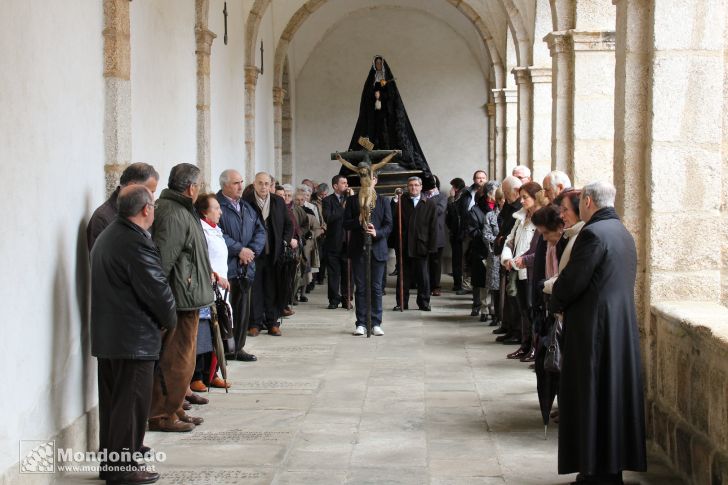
[203, 38]
[278, 95]
[500, 133]
[593, 106]
[117, 80]
[562, 108]
[511, 101]
[541, 78]
[525, 116]
[251, 78]
[492, 172]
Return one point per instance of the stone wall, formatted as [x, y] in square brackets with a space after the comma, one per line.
[687, 415]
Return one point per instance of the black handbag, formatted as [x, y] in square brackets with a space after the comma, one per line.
[552, 360]
[224, 319]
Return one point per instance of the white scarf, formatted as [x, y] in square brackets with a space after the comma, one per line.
[264, 205]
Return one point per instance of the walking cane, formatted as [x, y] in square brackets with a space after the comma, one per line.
[400, 276]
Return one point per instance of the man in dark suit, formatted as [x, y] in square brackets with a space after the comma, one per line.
[265, 308]
[419, 240]
[334, 243]
[379, 228]
[431, 190]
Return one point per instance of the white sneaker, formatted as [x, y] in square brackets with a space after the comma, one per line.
[360, 331]
[377, 330]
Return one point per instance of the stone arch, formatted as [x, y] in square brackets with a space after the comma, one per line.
[302, 14]
[252, 26]
[524, 43]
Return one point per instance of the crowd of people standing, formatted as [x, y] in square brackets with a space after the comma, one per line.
[533, 256]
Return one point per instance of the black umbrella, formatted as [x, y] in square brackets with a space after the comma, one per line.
[547, 382]
[244, 284]
[285, 270]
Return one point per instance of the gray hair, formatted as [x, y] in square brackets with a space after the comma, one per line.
[322, 188]
[601, 193]
[557, 177]
[287, 187]
[138, 173]
[182, 176]
[132, 200]
[303, 188]
[270, 177]
[511, 182]
[522, 168]
[225, 176]
[415, 178]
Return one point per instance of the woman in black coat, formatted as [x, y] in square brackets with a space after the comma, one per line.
[601, 401]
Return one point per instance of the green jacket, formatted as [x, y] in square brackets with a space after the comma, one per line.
[178, 234]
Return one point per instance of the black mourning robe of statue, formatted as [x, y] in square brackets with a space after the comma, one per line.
[388, 127]
[601, 400]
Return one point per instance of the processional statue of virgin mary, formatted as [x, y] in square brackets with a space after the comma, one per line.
[383, 123]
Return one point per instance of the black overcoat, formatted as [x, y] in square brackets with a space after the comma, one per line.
[601, 401]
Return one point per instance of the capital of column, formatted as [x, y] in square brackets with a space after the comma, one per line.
[522, 75]
[251, 75]
[541, 75]
[559, 42]
[498, 96]
[204, 38]
[278, 95]
[601, 40]
[511, 95]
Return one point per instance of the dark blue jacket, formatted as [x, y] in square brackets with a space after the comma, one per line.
[382, 220]
[241, 230]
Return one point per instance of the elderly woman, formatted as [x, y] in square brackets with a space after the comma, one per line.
[492, 262]
[568, 202]
[209, 211]
[517, 244]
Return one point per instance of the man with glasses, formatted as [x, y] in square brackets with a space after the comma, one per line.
[131, 302]
[419, 240]
[266, 309]
[136, 173]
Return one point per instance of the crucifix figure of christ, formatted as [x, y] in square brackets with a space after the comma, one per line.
[366, 169]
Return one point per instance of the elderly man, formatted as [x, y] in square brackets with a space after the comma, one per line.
[183, 248]
[510, 331]
[131, 303]
[419, 240]
[245, 238]
[136, 173]
[522, 173]
[554, 183]
[601, 401]
[266, 305]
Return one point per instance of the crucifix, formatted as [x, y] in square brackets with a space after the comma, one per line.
[224, 12]
[367, 202]
[261, 58]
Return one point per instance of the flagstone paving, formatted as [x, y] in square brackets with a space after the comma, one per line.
[434, 401]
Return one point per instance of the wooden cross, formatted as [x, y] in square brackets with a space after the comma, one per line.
[224, 12]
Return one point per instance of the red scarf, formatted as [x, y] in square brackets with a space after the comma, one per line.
[209, 222]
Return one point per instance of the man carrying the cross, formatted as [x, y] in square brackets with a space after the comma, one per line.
[379, 227]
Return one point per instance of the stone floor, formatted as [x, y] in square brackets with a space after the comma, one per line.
[433, 401]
